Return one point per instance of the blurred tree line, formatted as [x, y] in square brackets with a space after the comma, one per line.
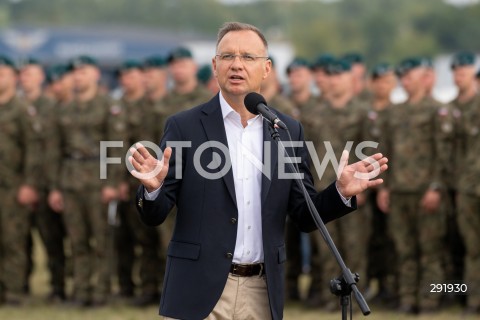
[384, 30]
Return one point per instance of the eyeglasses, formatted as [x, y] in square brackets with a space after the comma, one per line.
[243, 57]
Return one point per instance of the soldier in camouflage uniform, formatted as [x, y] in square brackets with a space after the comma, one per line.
[131, 231]
[156, 76]
[381, 253]
[272, 92]
[18, 184]
[60, 81]
[49, 224]
[467, 109]
[301, 97]
[206, 78]
[359, 71]
[299, 82]
[76, 186]
[186, 92]
[335, 121]
[417, 140]
[320, 75]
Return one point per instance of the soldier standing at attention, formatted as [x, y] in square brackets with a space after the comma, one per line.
[132, 231]
[381, 255]
[463, 67]
[414, 191]
[60, 80]
[48, 223]
[300, 83]
[77, 188]
[467, 107]
[320, 75]
[155, 76]
[18, 185]
[336, 121]
[186, 91]
[272, 92]
[206, 78]
[359, 72]
[301, 96]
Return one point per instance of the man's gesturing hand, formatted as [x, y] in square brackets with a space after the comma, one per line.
[355, 178]
[150, 171]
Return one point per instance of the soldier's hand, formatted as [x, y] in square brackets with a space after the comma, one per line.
[361, 199]
[27, 196]
[124, 191]
[383, 200]
[150, 171]
[55, 201]
[109, 194]
[431, 200]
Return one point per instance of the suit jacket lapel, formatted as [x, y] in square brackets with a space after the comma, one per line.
[214, 127]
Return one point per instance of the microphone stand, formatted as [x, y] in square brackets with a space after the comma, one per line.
[345, 284]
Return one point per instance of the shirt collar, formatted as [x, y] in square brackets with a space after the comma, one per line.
[227, 110]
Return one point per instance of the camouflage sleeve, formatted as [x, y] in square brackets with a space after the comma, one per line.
[385, 145]
[31, 144]
[444, 137]
[116, 130]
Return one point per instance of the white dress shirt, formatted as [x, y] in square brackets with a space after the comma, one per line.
[246, 153]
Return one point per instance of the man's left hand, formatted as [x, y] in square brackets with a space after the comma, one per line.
[357, 177]
[109, 194]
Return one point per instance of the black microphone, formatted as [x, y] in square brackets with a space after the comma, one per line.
[256, 104]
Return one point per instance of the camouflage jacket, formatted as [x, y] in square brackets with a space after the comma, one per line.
[19, 150]
[76, 147]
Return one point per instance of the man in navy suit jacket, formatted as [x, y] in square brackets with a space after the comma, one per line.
[211, 243]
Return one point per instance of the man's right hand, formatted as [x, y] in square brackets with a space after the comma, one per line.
[150, 171]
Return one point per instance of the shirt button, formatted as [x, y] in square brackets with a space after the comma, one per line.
[248, 203]
[248, 252]
[249, 227]
[229, 255]
[233, 220]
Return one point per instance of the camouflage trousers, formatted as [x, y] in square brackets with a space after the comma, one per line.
[350, 234]
[132, 234]
[86, 221]
[418, 238]
[14, 234]
[469, 224]
[52, 232]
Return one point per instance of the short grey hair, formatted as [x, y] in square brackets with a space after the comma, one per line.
[239, 26]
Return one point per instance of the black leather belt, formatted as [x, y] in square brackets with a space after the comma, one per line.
[247, 270]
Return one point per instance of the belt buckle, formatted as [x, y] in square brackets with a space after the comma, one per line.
[234, 269]
[261, 270]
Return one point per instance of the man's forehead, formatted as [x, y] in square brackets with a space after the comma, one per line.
[243, 39]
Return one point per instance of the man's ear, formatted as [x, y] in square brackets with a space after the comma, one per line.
[214, 66]
[268, 68]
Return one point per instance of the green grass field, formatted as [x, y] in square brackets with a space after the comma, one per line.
[37, 309]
